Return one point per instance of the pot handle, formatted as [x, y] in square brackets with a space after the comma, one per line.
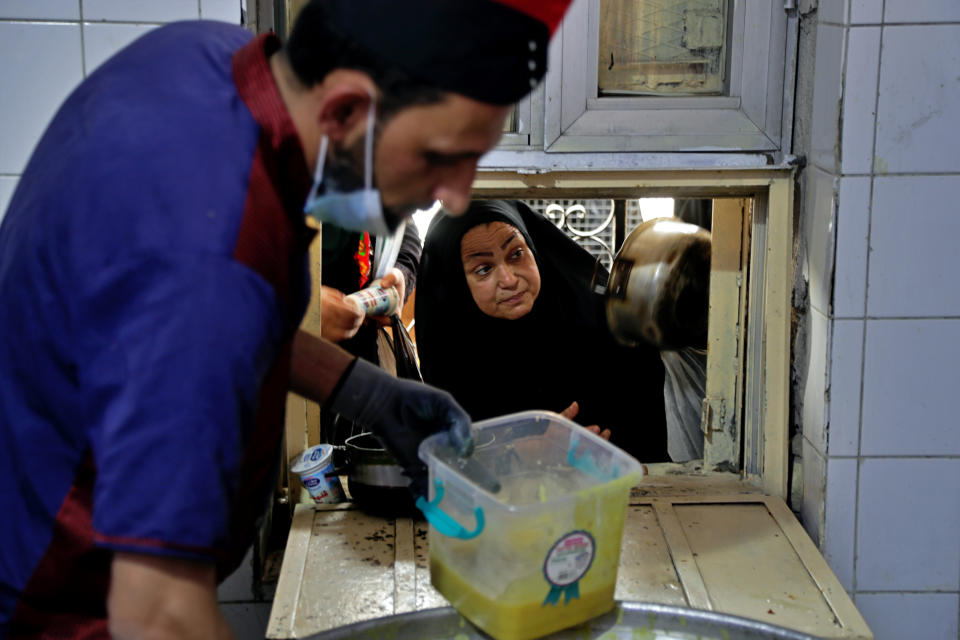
[347, 463]
[443, 522]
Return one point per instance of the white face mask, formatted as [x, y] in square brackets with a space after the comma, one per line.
[359, 210]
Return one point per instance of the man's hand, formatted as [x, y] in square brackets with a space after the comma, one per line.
[340, 318]
[395, 279]
[402, 413]
[571, 412]
[162, 597]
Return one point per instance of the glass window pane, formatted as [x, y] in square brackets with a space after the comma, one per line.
[662, 47]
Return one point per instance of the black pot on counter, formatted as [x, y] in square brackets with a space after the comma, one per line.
[374, 479]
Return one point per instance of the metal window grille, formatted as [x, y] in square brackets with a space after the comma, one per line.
[590, 223]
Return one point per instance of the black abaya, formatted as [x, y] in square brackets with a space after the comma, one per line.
[558, 353]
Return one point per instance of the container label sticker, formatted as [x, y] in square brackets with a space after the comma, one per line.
[568, 560]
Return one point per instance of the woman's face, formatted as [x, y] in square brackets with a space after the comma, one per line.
[501, 271]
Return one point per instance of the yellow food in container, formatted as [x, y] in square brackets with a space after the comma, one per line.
[528, 541]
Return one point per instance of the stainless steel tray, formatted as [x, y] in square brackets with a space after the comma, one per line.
[628, 621]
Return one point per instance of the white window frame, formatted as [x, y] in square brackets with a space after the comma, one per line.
[748, 119]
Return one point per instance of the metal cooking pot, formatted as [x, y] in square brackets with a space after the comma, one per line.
[377, 483]
[627, 620]
[374, 479]
[659, 286]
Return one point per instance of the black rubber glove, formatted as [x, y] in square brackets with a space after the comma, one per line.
[401, 413]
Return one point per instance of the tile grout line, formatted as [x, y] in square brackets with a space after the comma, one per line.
[83, 47]
[901, 456]
[889, 174]
[881, 318]
[839, 163]
[866, 297]
[135, 23]
[918, 592]
[929, 23]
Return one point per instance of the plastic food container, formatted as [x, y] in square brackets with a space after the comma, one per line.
[315, 468]
[525, 534]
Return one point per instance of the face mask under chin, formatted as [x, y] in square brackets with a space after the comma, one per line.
[347, 201]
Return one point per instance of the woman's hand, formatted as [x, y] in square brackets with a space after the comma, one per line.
[571, 412]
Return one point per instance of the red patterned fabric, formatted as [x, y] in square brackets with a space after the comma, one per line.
[362, 258]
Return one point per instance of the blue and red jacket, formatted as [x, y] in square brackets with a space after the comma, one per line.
[152, 274]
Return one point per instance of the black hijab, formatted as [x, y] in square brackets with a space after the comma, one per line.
[558, 353]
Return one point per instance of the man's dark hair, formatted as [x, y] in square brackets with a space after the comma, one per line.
[315, 48]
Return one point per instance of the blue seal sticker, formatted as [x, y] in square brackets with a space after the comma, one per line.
[568, 560]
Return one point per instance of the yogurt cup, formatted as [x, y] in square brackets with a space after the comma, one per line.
[315, 468]
[376, 300]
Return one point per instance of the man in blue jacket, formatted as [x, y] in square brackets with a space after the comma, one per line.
[153, 276]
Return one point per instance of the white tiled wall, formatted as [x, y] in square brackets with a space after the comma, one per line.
[886, 147]
[863, 11]
[828, 73]
[902, 543]
[846, 375]
[42, 62]
[908, 394]
[920, 10]
[859, 100]
[140, 10]
[821, 190]
[896, 614]
[7, 185]
[840, 518]
[919, 99]
[102, 39]
[46, 48]
[853, 227]
[913, 256]
[814, 406]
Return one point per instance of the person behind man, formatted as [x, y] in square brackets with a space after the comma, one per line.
[153, 276]
[347, 265]
[507, 321]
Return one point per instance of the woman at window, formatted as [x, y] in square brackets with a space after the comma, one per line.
[506, 321]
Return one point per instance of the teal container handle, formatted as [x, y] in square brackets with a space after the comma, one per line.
[587, 464]
[442, 522]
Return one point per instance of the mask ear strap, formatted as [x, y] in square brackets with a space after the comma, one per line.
[318, 172]
[368, 145]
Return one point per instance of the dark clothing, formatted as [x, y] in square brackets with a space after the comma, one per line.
[340, 270]
[558, 353]
[152, 275]
[494, 52]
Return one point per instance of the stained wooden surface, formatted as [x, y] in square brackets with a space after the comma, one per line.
[709, 542]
